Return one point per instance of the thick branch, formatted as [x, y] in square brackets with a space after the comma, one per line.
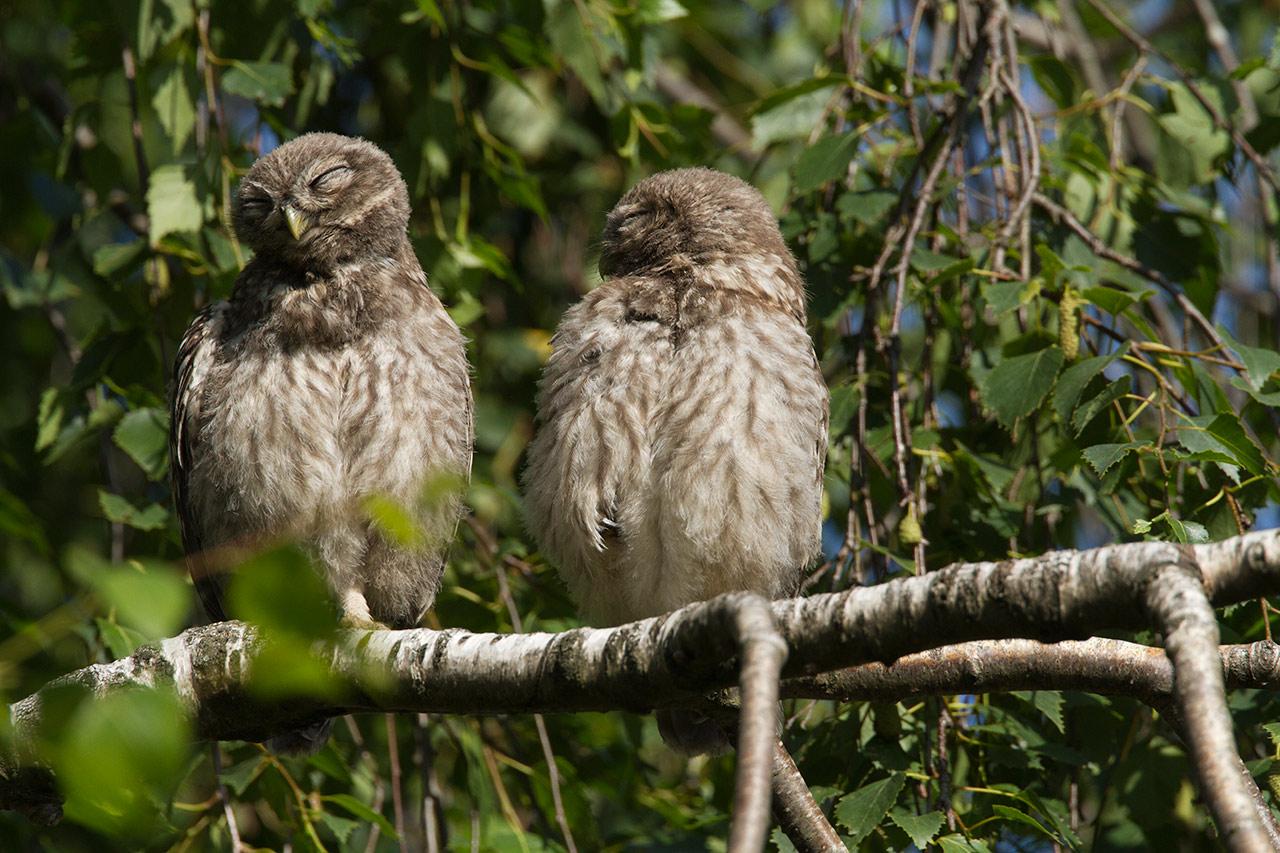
[677, 658]
[763, 653]
[795, 809]
[1097, 665]
[1178, 602]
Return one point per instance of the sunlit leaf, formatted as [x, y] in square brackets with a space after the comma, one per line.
[1017, 385]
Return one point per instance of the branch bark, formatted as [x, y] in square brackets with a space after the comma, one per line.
[676, 659]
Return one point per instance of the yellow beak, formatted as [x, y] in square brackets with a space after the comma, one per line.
[296, 220]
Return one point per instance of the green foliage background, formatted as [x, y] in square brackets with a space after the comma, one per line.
[125, 125]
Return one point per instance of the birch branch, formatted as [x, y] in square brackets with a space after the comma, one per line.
[675, 659]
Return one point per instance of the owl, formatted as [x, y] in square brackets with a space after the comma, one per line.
[682, 415]
[331, 377]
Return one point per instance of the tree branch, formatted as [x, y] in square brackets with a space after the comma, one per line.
[676, 659]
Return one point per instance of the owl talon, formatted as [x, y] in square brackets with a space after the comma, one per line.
[356, 622]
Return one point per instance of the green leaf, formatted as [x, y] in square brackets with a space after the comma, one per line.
[119, 640]
[1194, 131]
[281, 591]
[120, 756]
[175, 109]
[791, 113]
[780, 841]
[1049, 703]
[114, 257]
[868, 207]
[1102, 456]
[957, 843]
[1266, 398]
[919, 828]
[658, 11]
[1223, 433]
[172, 204]
[1187, 532]
[1015, 816]
[266, 82]
[1004, 296]
[117, 508]
[362, 811]
[1258, 362]
[151, 598]
[466, 309]
[826, 160]
[393, 519]
[144, 435]
[1076, 377]
[1110, 300]
[1015, 387]
[240, 776]
[1099, 403]
[844, 407]
[862, 811]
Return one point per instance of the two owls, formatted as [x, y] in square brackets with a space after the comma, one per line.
[683, 417]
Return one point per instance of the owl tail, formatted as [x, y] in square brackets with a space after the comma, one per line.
[307, 740]
[691, 732]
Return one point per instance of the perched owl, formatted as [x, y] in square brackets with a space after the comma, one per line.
[682, 415]
[332, 376]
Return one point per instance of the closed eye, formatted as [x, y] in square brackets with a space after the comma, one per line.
[328, 175]
[256, 202]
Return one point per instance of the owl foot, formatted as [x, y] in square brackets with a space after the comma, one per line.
[355, 613]
[357, 622]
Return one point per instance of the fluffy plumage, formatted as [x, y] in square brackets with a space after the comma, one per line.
[332, 374]
[682, 415]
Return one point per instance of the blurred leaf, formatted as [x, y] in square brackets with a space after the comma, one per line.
[175, 109]
[1258, 362]
[120, 757]
[266, 82]
[172, 204]
[144, 435]
[791, 113]
[151, 598]
[394, 520]
[362, 811]
[114, 257]
[119, 640]
[282, 591]
[658, 11]
[117, 508]
[240, 776]
[826, 160]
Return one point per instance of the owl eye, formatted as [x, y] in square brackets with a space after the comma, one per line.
[326, 177]
[255, 202]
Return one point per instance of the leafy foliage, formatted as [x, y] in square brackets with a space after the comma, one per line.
[1079, 333]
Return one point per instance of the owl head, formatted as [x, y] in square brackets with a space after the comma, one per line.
[701, 214]
[322, 200]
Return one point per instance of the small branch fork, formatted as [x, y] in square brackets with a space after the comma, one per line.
[679, 658]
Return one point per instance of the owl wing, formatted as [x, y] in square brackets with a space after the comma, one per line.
[590, 440]
[195, 354]
[824, 428]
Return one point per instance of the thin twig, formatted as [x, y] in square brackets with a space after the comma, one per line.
[397, 799]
